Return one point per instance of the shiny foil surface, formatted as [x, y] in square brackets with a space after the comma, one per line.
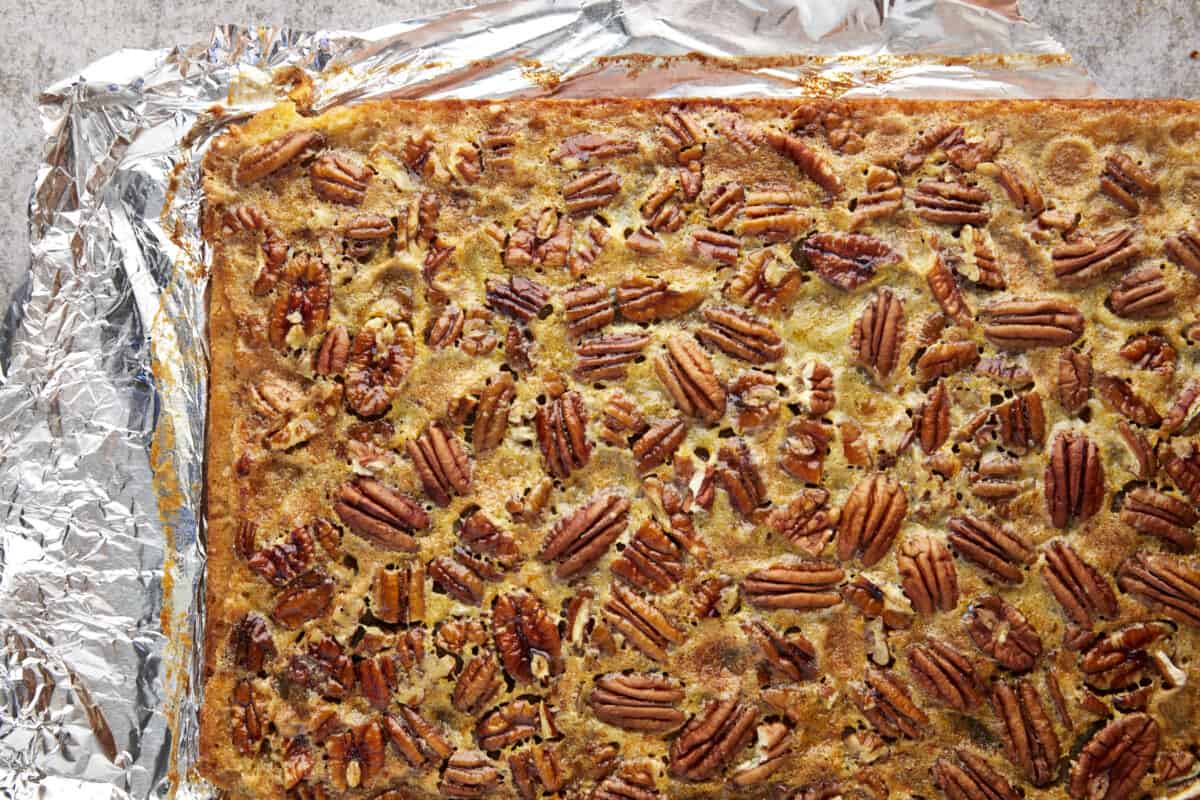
[103, 354]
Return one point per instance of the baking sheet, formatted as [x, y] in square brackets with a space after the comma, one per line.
[103, 360]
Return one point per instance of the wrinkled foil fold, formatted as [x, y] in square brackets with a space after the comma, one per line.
[103, 352]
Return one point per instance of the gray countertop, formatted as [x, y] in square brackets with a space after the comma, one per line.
[1131, 47]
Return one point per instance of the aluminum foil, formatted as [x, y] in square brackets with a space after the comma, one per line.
[103, 355]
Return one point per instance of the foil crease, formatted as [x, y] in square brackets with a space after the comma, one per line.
[103, 354]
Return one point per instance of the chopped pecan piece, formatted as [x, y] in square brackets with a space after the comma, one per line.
[885, 701]
[1114, 761]
[658, 444]
[661, 209]
[261, 160]
[307, 597]
[1005, 371]
[380, 514]
[946, 674]
[763, 282]
[1142, 293]
[1165, 584]
[926, 143]
[1123, 180]
[1074, 479]
[491, 415]
[724, 203]
[441, 463]
[303, 301]
[927, 574]
[712, 738]
[1027, 730]
[324, 667]
[1021, 188]
[652, 560]
[996, 478]
[883, 198]
[632, 781]
[251, 644]
[418, 741]
[519, 298]
[1074, 379]
[588, 307]
[976, 779]
[943, 359]
[587, 247]
[951, 203]
[1149, 511]
[580, 539]
[469, 774]
[513, 723]
[1184, 249]
[871, 518]
[638, 701]
[484, 537]
[817, 390]
[807, 521]
[1027, 324]
[641, 622]
[644, 242]
[946, 292]
[535, 770]
[280, 563]
[688, 375]
[526, 637]
[981, 254]
[1184, 468]
[1147, 459]
[1120, 397]
[801, 585]
[816, 168]
[802, 453]
[1080, 589]
[1151, 351]
[1121, 659]
[297, 764]
[999, 550]
[582, 147]
[398, 595]
[339, 180]
[740, 478]
[792, 657]
[561, 426]
[247, 719]
[380, 358]
[999, 629]
[623, 422]
[772, 746]
[879, 333]
[1083, 259]
[446, 328]
[516, 348]
[335, 349]
[608, 357]
[642, 299]
[931, 419]
[847, 260]
[590, 190]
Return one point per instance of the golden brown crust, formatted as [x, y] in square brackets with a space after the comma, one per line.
[707, 448]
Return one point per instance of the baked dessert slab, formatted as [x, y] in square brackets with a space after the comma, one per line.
[697, 448]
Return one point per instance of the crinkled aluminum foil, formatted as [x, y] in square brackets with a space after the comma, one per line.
[103, 356]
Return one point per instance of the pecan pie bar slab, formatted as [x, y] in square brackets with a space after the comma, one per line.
[658, 449]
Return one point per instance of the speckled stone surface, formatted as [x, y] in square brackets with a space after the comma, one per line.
[1132, 47]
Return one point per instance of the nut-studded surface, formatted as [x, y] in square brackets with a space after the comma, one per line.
[700, 449]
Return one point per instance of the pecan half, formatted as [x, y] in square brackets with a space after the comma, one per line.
[871, 518]
[999, 629]
[801, 585]
[247, 719]
[513, 723]
[1022, 422]
[469, 774]
[688, 375]
[1184, 468]
[1149, 511]
[928, 141]
[717, 246]
[377, 367]
[1084, 259]
[927, 574]
[885, 701]
[1140, 448]
[582, 147]
[417, 740]
[303, 301]
[981, 254]
[999, 550]
[1021, 188]
[847, 260]
[791, 657]
[526, 637]
[588, 307]
[1120, 397]
[741, 335]
[1005, 371]
[1074, 379]
[931, 419]
[802, 453]
[763, 282]
[639, 701]
[280, 563]
[580, 539]
[816, 168]
[261, 160]
[943, 672]
[516, 348]
[462, 577]
[608, 357]
[1115, 759]
[491, 415]
[951, 203]
[658, 444]
[879, 333]
[1027, 324]
[1074, 479]
[641, 622]
[536, 770]
[251, 644]
[1121, 659]
[380, 514]
[561, 426]
[1123, 180]
[883, 198]
[478, 683]
[1184, 249]
[997, 478]
[1151, 351]
[324, 667]
[945, 290]
[1027, 730]
[652, 560]
[590, 190]
[632, 781]
[1164, 584]
[623, 421]
[335, 349]
[976, 779]
[356, 756]
[398, 595]
[441, 463]
[1142, 293]
[712, 738]
[740, 478]
[1080, 589]
[307, 597]
[519, 298]
[806, 521]
[943, 359]
[723, 202]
